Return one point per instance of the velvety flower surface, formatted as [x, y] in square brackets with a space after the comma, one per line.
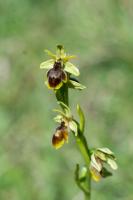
[56, 76]
[60, 136]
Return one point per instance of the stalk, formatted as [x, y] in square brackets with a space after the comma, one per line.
[63, 95]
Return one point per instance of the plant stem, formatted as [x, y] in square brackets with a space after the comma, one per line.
[82, 144]
[62, 95]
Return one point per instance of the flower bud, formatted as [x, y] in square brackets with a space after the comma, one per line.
[99, 157]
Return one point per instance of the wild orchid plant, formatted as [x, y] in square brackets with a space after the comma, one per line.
[60, 77]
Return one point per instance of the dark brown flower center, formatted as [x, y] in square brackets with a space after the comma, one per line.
[55, 75]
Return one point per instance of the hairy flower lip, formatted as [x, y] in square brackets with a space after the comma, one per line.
[56, 76]
[60, 136]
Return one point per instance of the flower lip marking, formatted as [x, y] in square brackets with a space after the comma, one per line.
[60, 136]
[56, 76]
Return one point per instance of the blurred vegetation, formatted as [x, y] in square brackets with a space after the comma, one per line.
[101, 34]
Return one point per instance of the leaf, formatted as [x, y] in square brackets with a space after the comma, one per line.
[112, 163]
[72, 69]
[47, 64]
[75, 85]
[82, 118]
[73, 127]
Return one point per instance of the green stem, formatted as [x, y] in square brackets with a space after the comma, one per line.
[82, 144]
[62, 95]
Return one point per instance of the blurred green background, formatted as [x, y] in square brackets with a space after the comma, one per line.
[100, 33]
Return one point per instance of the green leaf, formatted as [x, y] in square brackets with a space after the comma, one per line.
[47, 64]
[73, 127]
[82, 119]
[72, 69]
[75, 85]
[112, 163]
[105, 173]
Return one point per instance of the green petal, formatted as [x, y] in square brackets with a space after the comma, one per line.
[47, 64]
[72, 69]
[50, 54]
[58, 118]
[60, 112]
[65, 108]
[67, 58]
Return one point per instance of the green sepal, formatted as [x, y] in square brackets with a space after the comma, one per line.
[47, 64]
[72, 69]
[107, 152]
[95, 164]
[101, 155]
[75, 85]
[112, 163]
[82, 119]
[73, 126]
